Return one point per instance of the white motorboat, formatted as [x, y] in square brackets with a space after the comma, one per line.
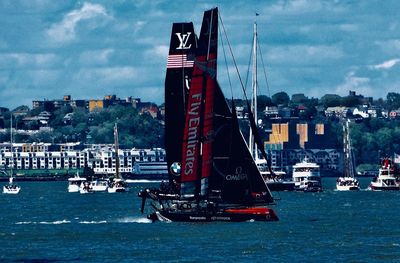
[99, 185]
[85, 188]
[75, 183]
[347, 183]
[386, 180]
[118, 185]
[307, 177]
[11, 188]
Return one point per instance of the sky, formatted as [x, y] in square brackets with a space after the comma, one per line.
[88, 49]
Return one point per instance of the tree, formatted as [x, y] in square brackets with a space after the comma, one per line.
[331, 100]
[262, 102]
[393, 100]
[280, 98]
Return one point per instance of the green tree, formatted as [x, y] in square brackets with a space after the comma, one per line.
[393, 100]
[280, 98]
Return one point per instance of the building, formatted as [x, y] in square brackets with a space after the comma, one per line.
[101, 158]
[290, 142]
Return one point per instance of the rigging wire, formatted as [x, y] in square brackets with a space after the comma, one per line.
[233, 58]
[265, 73]
[226, 64]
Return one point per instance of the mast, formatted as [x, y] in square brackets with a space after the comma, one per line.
[252, 146]
[116, 146]
[348, 153]
[11, 147]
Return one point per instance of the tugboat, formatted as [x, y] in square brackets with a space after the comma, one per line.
[348, 182]
[386, 179]
[212, 175]
[307, 177]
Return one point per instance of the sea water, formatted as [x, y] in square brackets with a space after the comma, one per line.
[45, 223]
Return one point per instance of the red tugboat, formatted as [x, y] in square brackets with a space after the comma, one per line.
[213, 176]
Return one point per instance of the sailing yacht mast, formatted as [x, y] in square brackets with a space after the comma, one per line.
[116, 151]
[11, 148]
[252, 146]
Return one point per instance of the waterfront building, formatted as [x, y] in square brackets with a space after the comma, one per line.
[101, 158]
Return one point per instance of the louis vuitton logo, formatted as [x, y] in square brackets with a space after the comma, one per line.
[183, 39]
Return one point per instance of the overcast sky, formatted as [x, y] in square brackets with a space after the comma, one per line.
[89, 49]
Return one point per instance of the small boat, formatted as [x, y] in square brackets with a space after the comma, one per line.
[11, 187]
[85, 188]
[348, 182]
[75, 183]
[212, 175]
[307, 177]
[99, 185]
[386, 179]
[277, 181]
[117, 184]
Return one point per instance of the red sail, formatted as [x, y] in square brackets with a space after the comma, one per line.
[198, 132]
[191, 137]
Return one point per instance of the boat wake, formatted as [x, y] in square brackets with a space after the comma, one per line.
[58, 222]
[93, 222]
[140, 220]
[132, 181]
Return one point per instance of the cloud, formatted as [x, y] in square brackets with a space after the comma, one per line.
[362, 85]
[96, 57]
[27, 60]
[386, 64]
[65, 31]
[304, 54]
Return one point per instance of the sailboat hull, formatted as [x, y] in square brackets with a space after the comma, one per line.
[226, 215]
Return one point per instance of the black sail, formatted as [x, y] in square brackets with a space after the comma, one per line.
[234, 172]
[182, 49]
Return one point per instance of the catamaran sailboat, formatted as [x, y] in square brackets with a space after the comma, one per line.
[213, 176]
[348, 181]
[117, 184]
[11, 187]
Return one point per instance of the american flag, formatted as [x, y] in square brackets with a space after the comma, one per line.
[179, 61]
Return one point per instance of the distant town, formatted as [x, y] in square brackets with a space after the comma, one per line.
[74, 133]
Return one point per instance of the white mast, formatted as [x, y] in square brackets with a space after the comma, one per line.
[252, 146]
[11, 148]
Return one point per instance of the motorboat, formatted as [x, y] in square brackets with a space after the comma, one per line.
[117, 185]
[11, 188]
[307, 177]
[386, 179]
[75, 183]
[347, 183]
[86, 187]
[99, 185]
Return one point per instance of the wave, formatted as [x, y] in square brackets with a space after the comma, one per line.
[140, 220]
[93, 222]
[142, 181]
[58, 222]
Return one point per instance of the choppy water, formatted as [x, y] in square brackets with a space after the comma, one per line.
[45, 223]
